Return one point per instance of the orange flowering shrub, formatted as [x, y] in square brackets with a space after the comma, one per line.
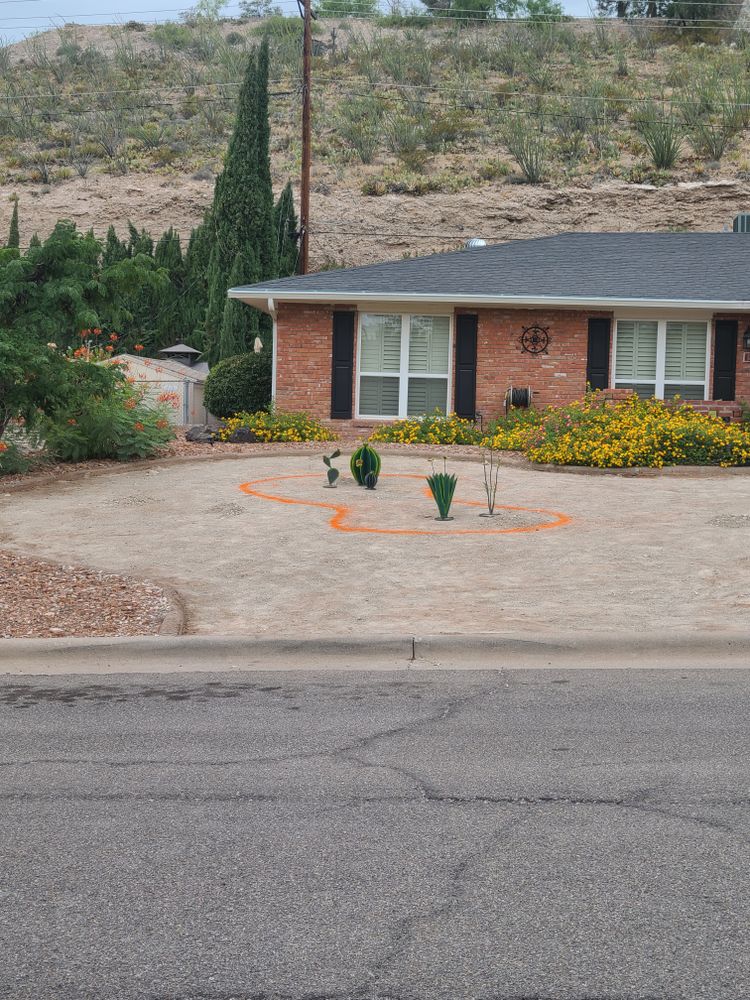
[109, 417]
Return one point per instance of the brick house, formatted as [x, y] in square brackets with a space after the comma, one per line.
[662, 314]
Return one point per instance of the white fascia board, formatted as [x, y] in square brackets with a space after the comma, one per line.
[260, 299]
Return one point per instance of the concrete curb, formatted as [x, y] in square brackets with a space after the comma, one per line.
[170, 654]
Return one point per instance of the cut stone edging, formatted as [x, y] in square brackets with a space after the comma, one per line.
[496, 651]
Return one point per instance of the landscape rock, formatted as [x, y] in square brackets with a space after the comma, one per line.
[200, 434]
[243, 435]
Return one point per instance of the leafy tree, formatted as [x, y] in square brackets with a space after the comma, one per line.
[345, 8]
[258, 8]
[676, 11]
[14, 238]
[62, 286]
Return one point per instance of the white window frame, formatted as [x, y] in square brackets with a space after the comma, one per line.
[403, 374]
[661, 356]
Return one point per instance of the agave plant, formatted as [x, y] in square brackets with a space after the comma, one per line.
[442, 486]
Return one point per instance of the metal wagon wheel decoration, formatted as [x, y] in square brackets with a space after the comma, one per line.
[535, 339]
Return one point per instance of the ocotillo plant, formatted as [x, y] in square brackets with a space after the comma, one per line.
[333, 473]
[365, 460]
[491, 469]
[442, 486]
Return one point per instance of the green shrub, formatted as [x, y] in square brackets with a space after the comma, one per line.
[432, 428]
[118, 424]
[11, 459]
[513, 431]
[271, 425]
[241, 384]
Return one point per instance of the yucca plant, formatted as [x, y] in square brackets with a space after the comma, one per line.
[662, 135]
[442, 486]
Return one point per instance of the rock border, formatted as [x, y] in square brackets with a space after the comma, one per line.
[508, 458]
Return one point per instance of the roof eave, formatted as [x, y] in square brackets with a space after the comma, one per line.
[266, 299]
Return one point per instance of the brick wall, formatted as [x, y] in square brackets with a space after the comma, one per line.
[303, 358]
[556, 377]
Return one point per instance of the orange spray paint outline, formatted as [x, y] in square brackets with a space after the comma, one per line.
[342, 512]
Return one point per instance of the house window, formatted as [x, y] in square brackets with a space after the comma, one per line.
[663, 359]
[404, 364]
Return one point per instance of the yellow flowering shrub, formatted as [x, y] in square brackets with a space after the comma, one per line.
[277, 426]
[515, 431]
[636, 432]
[433, 428]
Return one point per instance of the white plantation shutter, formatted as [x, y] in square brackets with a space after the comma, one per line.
[685, 351]
[636, 349]
[427, 395]
[429, 345]
[378, 396]
[381, 344]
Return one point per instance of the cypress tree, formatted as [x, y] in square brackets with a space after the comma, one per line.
[242, 216]
[114, 249]
[168, 317]
[285, 224]
[197, 261]
[14, 238]
[139, 242]
[237, 333]
[35, 241]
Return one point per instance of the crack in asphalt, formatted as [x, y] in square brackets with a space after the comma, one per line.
[406, 927]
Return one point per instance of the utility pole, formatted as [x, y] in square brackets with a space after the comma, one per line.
[304, 195]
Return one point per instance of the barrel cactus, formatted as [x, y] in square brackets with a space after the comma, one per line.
[365, 461]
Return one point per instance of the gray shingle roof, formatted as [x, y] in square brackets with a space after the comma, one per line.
[670, 266]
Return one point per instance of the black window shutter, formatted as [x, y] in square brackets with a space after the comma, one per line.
[465, 394]
[597, 360]
[342, 367]
[725, 359]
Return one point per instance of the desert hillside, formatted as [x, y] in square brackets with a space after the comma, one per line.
[423, 136]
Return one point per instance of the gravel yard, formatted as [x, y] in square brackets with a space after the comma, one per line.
[654, 553]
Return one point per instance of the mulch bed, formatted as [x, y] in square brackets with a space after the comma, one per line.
[41, 600]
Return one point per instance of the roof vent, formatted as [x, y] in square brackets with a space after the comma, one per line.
[182, 353]
[741, 223]
[474, 243]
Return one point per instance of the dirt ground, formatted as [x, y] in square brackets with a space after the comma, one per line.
[657, 553]
[350, 228]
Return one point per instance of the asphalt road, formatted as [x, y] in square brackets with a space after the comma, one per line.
[281, 836]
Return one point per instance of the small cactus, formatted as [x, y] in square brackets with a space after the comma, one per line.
[364, 461]
[332, 473]
[371, 481]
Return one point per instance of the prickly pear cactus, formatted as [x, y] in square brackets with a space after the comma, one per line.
[332, 472]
